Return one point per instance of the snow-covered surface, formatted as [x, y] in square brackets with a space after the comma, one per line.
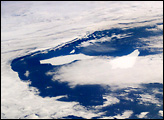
[28, 26]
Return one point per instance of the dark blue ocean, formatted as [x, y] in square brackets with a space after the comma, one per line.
[92, 95]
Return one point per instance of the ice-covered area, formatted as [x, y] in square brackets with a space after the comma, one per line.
[32, 26]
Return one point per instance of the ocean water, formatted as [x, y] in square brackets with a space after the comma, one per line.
[91, 95]
[82, 60]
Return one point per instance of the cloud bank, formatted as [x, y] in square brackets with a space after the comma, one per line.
[108, 72]
[30, 26]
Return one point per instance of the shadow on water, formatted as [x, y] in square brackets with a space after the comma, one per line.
[86, 95]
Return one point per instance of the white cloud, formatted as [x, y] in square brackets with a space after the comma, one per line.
[27, 73]
[161, 113]
[99, 71]
[65, 59]
[103, 39]
[147, 98]
[125, 61]
[72, 51]
[124, 115]
[142, 114]
[153, 42]
[30, 26]
[110, 100]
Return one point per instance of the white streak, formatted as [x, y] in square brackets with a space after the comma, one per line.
[65, 59]
[126, 114]
[142, 114]
[72, 51]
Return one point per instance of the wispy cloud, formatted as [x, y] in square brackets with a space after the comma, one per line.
[31, 26]
[100, 71]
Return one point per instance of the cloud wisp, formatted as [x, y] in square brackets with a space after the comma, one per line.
[138, 70]
[31, 26]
